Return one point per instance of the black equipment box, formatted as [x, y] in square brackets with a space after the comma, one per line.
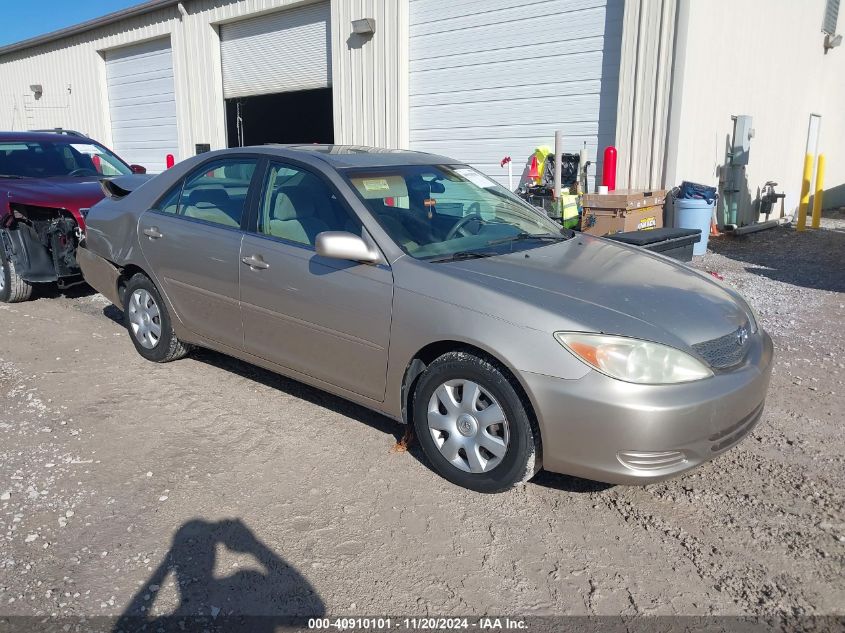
[676, 243]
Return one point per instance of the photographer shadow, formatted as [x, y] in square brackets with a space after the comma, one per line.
[265, 599]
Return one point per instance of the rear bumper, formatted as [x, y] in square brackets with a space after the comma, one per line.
[100, 274]
[607, 430]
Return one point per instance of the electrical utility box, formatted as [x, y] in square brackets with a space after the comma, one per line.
[743, 133]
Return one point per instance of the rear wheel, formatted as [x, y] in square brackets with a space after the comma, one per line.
[12, 287]
[473, 425]
[148, 322]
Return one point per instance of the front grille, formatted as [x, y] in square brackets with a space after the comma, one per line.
[651, 460]
[728, 437]
[725, 351]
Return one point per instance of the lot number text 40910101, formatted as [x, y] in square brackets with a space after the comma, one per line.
[417, 624]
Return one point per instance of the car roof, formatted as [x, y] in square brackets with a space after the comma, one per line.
[343, 156]
[43, 136]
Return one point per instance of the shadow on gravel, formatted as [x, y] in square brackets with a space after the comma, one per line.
[404, 443]
[811, 259]
[253, 600]
[114, 313]
[301, 391]
[568, 483]
[351, 410]
[51, 291]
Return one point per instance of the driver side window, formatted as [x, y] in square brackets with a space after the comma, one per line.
[297, 206]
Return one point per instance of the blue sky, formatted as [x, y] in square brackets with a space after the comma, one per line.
[23, 19]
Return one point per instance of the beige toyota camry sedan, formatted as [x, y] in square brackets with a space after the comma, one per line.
[416, 286]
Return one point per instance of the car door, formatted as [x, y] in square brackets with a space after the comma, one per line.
[192, 241]
[327, 318]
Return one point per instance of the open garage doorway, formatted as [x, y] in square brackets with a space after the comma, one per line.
[302, 116]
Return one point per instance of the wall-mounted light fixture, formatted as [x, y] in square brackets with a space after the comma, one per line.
[364, 26]
[37, 90]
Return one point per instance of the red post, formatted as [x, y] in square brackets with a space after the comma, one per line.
[170, 161]
[608, 170]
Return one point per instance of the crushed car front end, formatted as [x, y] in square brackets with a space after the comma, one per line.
[41, 242]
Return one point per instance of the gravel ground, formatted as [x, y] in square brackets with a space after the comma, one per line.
[208, 486]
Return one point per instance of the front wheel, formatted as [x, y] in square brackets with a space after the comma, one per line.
[13, 288]
[148, 322]
[473, 426]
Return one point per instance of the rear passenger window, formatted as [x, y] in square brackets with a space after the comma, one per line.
[170, 203]
[297, 206]
[217, 192]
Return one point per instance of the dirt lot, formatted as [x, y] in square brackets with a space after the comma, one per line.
[210, 486]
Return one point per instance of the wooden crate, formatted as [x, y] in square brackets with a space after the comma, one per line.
[597, 221]
[625, 199]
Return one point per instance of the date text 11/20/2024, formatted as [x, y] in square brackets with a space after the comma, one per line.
[417, 624]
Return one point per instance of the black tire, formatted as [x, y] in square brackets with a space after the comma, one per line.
[13, 288]
[521, 460]
[167, 347]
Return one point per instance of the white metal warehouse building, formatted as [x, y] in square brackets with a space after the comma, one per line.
[474, 79]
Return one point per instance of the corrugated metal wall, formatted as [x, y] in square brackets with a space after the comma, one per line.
[491, 78]
[72, 73]
[370, 76]
[644, 91]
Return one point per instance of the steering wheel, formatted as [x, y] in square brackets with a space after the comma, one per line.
[474, 215]
[83, 171]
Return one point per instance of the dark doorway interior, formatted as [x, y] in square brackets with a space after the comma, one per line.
[304, 116]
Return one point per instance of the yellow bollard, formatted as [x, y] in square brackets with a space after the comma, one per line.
[818, 198]
[805, 192]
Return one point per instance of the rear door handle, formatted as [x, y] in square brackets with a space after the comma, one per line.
[256, 262]
[153, 233]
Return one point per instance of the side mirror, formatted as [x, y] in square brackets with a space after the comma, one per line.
[343, 245]
[138, 169]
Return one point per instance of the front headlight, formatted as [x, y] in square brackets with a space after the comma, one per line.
[633, 360]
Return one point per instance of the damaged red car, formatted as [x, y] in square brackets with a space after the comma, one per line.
[47, 184]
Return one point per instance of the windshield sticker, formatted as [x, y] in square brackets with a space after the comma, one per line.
[85, 148]
[376, 184]
[476, 178]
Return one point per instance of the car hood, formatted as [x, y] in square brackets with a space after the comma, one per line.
[591, 284]
[62, 192]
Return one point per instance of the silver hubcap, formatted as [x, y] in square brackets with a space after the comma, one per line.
[144, 319]
[2, 275]
[468, 426]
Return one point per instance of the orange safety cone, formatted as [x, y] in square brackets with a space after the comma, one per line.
[534, 170]
[714, 230]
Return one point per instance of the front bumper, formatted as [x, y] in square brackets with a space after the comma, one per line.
[617, 432]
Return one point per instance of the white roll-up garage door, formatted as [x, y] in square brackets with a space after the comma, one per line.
[496, 78]
[142, 103]
[281, 52]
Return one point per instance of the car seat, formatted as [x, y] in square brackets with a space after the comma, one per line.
[294, 217]
[211, 205]
[24, 162]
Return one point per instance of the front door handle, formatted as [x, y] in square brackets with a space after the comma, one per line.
[153, 233]
[256, 262]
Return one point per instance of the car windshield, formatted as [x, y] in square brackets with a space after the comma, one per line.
[442, 212]
[46, 159]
